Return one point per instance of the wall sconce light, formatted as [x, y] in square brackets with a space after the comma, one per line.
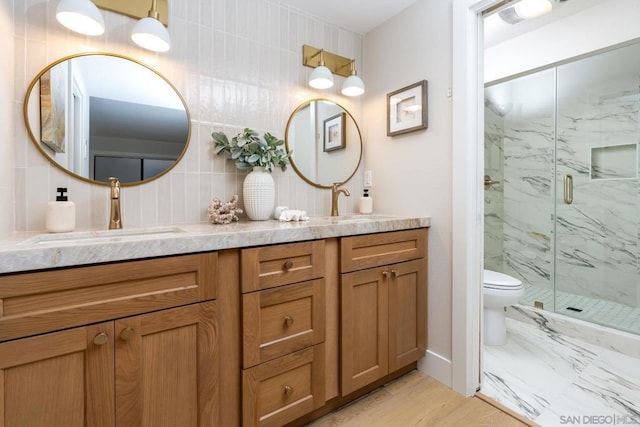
[80, 16]
[525, 9]
[149, 32]
[353, 85]
[321, 77]
[83, 16]
[325, 65]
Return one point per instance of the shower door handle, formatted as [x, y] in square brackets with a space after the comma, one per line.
[568, 189]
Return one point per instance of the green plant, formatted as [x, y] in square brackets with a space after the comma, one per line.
[249, 150]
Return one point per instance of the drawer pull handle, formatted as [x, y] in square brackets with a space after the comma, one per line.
[288, 390]
[385, 274]
[394, 273]
[126, 333]
[288, 320]
[101, 338]
[288, 264]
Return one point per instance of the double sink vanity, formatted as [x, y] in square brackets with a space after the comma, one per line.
[253, 323]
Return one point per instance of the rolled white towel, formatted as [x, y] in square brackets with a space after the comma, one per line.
[293, 215]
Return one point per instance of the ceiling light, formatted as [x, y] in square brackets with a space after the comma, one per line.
[149, 32]
[532, 8]
[353, 85]
[321, 77]
[525, 9]
[81, 16]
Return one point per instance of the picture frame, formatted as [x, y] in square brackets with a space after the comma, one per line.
[407, 109]
[52, 110]
[335, 132]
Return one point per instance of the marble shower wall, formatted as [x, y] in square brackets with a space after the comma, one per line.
[595, 116]
[237, 63]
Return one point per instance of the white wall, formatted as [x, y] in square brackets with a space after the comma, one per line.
[600, 26]
[237, 63]
[412, 172]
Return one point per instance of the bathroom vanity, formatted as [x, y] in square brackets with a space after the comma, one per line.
[260, 323]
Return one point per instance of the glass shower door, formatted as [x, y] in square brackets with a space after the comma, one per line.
[596, 181]
[519, 152]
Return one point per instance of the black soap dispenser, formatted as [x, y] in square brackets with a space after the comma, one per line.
[61, 214]
[365, 205]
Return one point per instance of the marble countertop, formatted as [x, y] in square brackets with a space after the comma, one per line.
[33, 251]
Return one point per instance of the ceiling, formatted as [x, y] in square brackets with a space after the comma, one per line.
[359, 16]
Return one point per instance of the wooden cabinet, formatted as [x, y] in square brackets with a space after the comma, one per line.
[157, 368]
[283, 332]
[383, 307]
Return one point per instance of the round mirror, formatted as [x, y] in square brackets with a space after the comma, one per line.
[97, 115]
[326, 143]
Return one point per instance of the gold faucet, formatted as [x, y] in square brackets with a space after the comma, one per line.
[335, 192]
[115, 220]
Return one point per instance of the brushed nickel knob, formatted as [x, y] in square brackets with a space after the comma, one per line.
[288, 390]
[394, 273]
[288, 320]
[288, 264]
[101, 338]
[126, 333]
[385, 274]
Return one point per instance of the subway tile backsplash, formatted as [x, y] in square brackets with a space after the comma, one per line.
[237, 63]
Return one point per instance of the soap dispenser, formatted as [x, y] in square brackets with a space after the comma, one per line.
[61, 214]
[365, 205]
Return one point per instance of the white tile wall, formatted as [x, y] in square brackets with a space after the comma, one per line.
[237, 63]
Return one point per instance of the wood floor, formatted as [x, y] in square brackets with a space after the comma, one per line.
[418, 400]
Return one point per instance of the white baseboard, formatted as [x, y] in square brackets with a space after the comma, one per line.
[437, 367]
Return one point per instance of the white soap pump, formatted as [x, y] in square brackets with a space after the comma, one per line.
[365, 204]
[61, 214]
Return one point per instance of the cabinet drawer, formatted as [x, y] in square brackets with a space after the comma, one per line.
[284, 389]
[270, 266]
[281, 320]
[32, 303]
[375, 250]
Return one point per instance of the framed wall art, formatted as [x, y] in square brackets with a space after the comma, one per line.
[407, 109]
[334, 132]
[52, 110]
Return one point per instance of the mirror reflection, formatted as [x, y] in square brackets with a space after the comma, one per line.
[326, 143]
[102, 115]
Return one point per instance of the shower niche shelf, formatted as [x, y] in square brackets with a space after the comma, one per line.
[614, 162]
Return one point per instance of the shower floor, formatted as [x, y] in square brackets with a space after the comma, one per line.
[607, 313]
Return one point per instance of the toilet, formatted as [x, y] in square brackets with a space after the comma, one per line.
[499, 291]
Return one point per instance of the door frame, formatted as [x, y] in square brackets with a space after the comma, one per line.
[467, 197]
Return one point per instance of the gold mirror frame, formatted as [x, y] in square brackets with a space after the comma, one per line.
[37, 143]
[288, 145]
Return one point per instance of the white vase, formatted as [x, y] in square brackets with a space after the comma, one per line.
[259, 194]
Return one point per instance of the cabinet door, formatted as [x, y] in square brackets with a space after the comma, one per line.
[364, 328]
[407, 313]
[58, 379]
[166, 367]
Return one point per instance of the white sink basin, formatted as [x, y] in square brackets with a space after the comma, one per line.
[341, 219]
[102, 236]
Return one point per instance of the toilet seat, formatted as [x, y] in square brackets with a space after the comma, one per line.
[496, 280]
